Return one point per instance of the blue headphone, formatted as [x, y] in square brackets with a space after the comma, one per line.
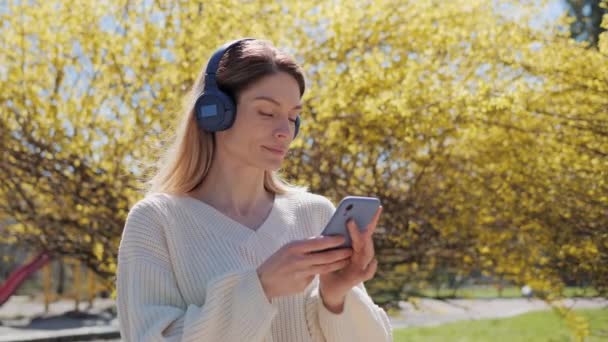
[215, 110]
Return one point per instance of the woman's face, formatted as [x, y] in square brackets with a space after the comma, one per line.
[265, 122]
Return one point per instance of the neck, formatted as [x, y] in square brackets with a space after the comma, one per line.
[233, 187]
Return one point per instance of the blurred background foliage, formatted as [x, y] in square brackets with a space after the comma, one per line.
[481, 125]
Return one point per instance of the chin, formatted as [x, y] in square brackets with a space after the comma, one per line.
[273, 166]
[268, 163]
[271, 163]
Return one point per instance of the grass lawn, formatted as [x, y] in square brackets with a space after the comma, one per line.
[538, 326]
[508, 292]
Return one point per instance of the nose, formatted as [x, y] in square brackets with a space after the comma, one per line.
[283, 131]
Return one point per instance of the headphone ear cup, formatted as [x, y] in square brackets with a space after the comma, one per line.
[295, 134]
[215, 111]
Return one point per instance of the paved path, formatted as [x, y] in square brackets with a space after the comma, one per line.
[430, 312]
[22, 319]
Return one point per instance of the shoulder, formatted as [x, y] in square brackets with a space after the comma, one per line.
[313, 205]
[144, 232]
[151, 215]
[309, 199]
[153, 207]
[320, 202]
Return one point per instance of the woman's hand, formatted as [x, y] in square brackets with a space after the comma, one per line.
[334, 285]
[290, 269]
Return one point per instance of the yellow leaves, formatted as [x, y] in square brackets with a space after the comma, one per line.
[315, 181]
[98, 250]
[486, 219]
[407, 268]
[583, 250]
[531, 227]
[333, 131]
[360, 173]
[590, 249]
[577, 323]
[543, 261]
[479, 134]
[324, 167]
[603, 40]
[513, 269]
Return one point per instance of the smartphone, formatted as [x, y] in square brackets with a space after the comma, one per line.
[361, 209]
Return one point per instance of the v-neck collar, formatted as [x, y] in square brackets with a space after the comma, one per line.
[237, 229]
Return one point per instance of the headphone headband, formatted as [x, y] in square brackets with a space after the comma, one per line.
[214, 61]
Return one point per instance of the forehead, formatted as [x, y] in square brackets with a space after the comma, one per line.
[280, 86]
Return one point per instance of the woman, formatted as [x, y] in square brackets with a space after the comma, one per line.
[221, 248]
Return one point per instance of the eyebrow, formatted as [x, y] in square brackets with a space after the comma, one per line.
[270, 99]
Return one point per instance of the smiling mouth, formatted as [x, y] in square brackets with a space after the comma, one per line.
[275, 151]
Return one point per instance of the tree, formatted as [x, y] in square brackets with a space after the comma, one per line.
[587, 19]
[486, 139]
[84, 103]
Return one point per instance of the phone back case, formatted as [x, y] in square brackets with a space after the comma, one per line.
[362, 209]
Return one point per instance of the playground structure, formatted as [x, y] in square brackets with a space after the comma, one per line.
[18, 277]
[85, 283]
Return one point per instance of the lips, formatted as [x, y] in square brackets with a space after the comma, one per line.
[277, 150]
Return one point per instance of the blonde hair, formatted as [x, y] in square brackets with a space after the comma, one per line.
[186, 162]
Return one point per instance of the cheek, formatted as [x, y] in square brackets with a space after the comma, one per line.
[233, 140]
[247, 134]
[252, 131]
[241, 125]
[241, 141]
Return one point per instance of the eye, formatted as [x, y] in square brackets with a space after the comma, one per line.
[272, 115]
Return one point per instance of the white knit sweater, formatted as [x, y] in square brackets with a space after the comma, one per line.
[187, 272]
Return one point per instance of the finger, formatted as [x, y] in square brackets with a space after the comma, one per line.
[355, 235]
[371, 269]
[361, 260]
[328, 268]
[316, 243]
[366, 256]
[371, 227]
[327, 257]
[363, 249]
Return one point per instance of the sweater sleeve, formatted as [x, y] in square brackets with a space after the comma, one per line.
[151, 307]
[360, 320]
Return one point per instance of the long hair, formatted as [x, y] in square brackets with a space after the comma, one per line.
[186, 162]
